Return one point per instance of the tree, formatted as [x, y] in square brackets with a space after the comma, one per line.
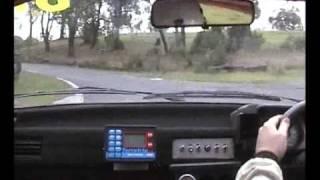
[60, 18]
[33, 16]
[256, 9]
[164, 42]
[73, 14]
[46, 29]
[237, 34]
[287, 20]
[120, 13]
[90, 23]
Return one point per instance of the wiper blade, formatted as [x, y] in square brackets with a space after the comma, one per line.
[82, 90]
[217, 94]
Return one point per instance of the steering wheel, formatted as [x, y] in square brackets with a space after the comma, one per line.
[296, 149]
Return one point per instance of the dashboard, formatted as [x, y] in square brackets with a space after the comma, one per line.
[175, 141]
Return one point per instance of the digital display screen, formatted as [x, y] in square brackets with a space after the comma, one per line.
[134, 140]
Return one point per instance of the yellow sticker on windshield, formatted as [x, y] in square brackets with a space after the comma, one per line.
[22, 8]
[59, 6]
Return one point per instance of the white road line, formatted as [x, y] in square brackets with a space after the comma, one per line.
[68, 82]
[156, 79]
[77, 98]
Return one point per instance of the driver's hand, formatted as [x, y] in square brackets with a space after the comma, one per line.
[273, 139]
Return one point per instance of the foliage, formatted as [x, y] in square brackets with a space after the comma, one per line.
[294, 43]
[241, 37]
[287, 20]
[113, 43]
[209, 48]
[208, 40]
[253, 42]
[257, 9]
[236, 37]
[18, 42]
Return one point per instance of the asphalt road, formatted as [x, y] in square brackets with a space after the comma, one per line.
[126, 81]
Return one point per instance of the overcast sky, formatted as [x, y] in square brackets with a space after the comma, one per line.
[268, 8]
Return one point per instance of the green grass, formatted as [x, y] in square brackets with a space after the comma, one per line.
[238, 77]
[273, 39]
[219, 15]
[30, 82]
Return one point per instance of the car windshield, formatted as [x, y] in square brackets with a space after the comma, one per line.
[107, 51]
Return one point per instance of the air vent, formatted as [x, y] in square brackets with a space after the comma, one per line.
[27, 147]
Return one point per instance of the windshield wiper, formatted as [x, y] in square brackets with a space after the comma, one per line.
[82, 90]
[179, 96]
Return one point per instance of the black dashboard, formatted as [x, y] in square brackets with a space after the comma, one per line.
[140, 141]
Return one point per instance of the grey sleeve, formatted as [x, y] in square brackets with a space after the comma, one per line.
[260, 169]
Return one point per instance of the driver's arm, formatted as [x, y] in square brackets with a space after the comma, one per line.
[270, 148]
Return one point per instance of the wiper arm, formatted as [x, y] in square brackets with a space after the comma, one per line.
[82, 90]
[217, 94]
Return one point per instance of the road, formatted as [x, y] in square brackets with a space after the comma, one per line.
[126, 81]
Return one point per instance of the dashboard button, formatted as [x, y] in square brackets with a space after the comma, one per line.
[207, 148]
[111, 143]
[150, 145]
[118, 131]
[190, 148]
[216, 148]
[117, 149]
[118, 137]
[112, 137]
[111, 149]
[181, 148]
[198, 147]
[149, 134]
[225, 148]
[118, 143]
[111, 131]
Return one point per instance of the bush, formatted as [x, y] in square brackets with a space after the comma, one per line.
[209, 40]
[217, 56]
[209, 48]
[18, 42]
[253, 42]
[135, 63]
[300, 43]
[113, 43]
[33, 42]
[294, 43]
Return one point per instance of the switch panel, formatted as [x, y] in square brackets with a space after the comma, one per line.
[218, 148]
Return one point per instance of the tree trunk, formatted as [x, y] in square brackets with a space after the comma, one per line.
[96, 27]
[164, 42]
[46, 44]
[176, 36]
[183, 37]
[31, 24]
[63, 22]
[71, 42]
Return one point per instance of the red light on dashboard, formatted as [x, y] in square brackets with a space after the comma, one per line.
[149, 134]
[150, 145]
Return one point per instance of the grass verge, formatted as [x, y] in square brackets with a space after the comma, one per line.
[238, 77]
[31, 82]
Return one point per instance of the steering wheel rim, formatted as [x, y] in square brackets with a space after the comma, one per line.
[294, 113]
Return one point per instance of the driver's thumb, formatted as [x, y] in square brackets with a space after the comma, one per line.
[284, 126]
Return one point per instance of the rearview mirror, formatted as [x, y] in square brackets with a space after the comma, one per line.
[184, 13]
